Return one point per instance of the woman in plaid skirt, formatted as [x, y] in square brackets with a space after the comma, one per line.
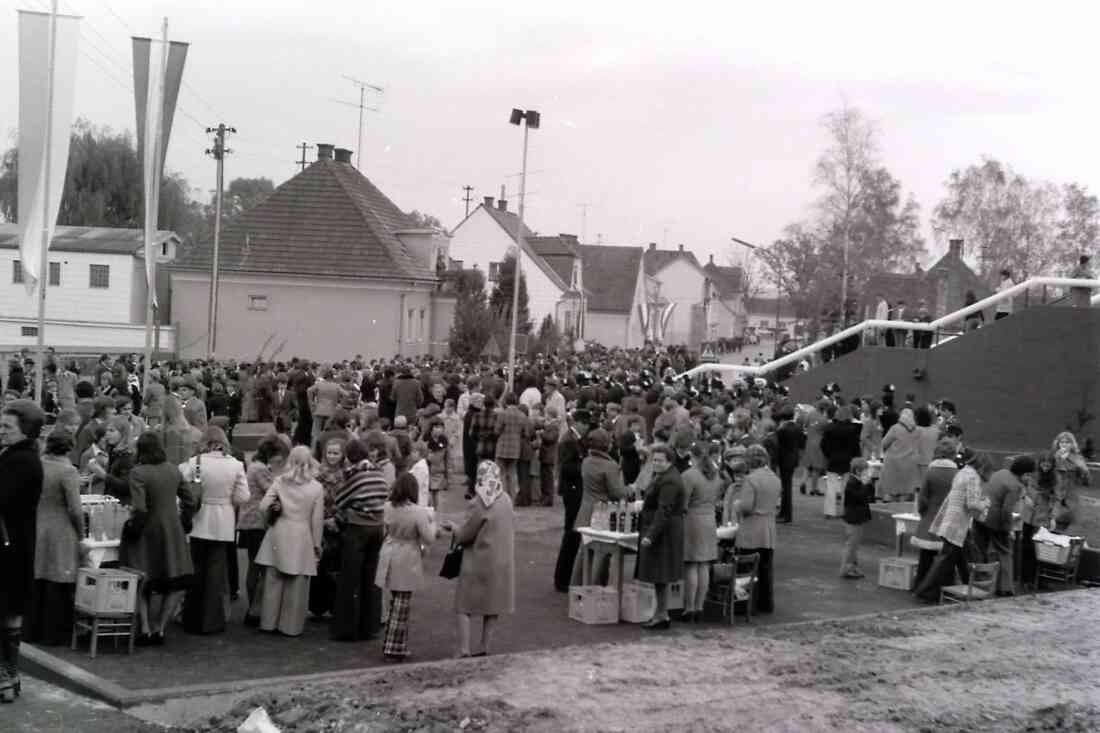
[409, 529]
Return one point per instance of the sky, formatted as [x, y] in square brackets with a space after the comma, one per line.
[676, 123]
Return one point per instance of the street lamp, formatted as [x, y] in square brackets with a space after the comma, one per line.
[778, 283]
[531, 119]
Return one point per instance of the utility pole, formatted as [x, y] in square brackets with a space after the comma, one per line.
[218, 152]
[303, 147]
[361, 106]
[531, 120]
[469, 190]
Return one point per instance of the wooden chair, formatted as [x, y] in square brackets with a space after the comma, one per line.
[1064, 573]
[982, 585]
[733, 583]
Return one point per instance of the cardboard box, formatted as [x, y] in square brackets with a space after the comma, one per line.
[897, 572]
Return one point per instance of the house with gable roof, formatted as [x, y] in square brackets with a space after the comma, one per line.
[326, 266]
[488, 235]
[684, 305]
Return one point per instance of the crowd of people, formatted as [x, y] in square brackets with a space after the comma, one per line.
[336, 505]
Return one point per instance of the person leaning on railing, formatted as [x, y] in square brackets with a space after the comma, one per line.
[1081, 297]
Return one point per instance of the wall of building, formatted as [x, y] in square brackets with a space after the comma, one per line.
[82, 337]
[610, 329]
[74, 299]
[318, 319]
[1016, 382]
[682, 283]
[480, 240]
[443, 317]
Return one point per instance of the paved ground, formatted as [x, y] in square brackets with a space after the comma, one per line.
[46, 708]
[807, 587]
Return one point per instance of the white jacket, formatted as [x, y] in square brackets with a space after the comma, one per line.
[224, 486]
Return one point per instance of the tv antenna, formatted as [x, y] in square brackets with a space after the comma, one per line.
[364, 87]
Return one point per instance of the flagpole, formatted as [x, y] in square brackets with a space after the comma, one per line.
[150, 257]
[44, 261]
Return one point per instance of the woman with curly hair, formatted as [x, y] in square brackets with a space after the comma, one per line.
[1073, 476]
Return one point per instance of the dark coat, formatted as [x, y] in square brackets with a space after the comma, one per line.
[571, 453]
[631, 461]
[857, 501]
[936, 487]
[118, 475]
[20, 489]
[662, 521]
[840, 444]
[1003, 491]
[790, 441]
[407, 395]
[153, 540]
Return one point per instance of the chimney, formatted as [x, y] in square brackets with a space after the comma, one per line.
[652, 246]
[502, 204]
[711, 260]
[324, 151]
[488, 200]
[955, 247]
[681, 248]
[343, 155]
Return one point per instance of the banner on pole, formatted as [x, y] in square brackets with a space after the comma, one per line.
[34, 109]
[157, 80]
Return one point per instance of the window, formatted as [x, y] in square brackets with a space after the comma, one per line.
[55, 274]
[257, 302]
[494, 272]
[99, 276]
[16, 271]
[29, 330]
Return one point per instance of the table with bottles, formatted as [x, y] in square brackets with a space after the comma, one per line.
[104, 517]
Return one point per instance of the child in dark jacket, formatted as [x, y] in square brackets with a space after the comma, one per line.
[858, 493]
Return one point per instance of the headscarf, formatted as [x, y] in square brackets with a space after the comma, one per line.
[489, 486]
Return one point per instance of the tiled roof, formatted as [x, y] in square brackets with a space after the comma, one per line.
[611, 274]
[103, 240]
[559, 252]
[726, 279]
[509, 222]
[327, 221]
[658, 259]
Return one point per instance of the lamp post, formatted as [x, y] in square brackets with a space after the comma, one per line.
[778, 282]
[530, 120]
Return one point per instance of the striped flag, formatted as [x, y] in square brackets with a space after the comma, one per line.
[38, 207]
[158, 74]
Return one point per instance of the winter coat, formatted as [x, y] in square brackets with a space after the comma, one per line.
[662, 522]
[60, 523]
[900, 472]
[154, 541]
[487, 584]
[1003, 491]
[937, 485]
[409, 529]
[759, 497]
[840, 444]
[21, 479]
[293, 543]
[408, 396]
[601, 481]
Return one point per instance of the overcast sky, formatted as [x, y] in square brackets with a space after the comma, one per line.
[676, 122]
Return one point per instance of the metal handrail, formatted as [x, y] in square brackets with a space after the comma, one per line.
[798, 355]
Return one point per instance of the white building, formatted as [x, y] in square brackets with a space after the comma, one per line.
[685, 305]
[95, 296]
[484, 239]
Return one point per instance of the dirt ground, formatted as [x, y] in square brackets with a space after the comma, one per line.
[1018, 665]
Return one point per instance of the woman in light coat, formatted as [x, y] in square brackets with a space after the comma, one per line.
[410, 528]
[901, 477]
[703, 485]
[487, 584]
[292, 545]
[218, 484]
[59, 530]
[756, 506]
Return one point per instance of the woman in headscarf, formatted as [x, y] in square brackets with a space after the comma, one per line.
[487, 584]
[900, 477]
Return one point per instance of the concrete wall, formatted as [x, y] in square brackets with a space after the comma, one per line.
[318, 319]
[480, 240]
[74, 299]
[1016, 382]
[609, 329]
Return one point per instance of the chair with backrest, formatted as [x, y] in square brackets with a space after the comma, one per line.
[732, 583]
[982, 585]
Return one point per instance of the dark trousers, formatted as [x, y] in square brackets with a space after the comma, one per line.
[570, 541]
[523, 478]
[951, 559]
[786, 497]
[469, 463]
[765, 582]
[250, 540]
[358, 612]
[1027, 554]
[204, 606]
[996, 546]
[233, 571]
[924, 564]
[546, 483]
[322, 588]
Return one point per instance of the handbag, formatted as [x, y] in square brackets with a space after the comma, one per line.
[452, 562]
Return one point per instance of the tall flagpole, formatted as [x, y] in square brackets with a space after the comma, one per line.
[151, 263]
[44, 262]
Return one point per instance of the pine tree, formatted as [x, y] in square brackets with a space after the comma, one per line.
[473, 323]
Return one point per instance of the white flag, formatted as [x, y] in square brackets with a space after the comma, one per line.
[157, 80]
[38, 207]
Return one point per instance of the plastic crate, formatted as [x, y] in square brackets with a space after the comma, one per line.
[1056, 554]
[594, 604]
[676, 595]
[106, 591]
[638, 602]
[897, 572]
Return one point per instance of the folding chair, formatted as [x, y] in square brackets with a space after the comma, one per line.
[983, 583]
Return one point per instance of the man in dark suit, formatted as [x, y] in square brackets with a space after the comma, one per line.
[286, 404]
[571, 452]
[790, 441]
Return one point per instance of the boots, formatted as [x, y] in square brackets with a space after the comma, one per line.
[10, 687]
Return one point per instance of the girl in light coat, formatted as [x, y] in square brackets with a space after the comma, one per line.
[292, 545]
[410, 527]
